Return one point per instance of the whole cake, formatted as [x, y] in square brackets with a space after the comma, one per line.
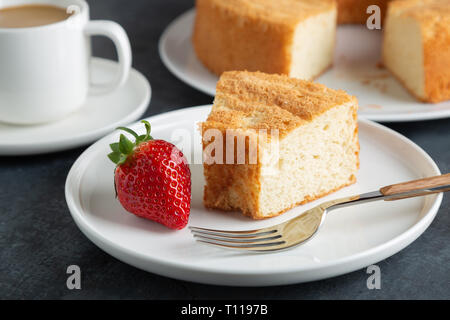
[416, 47]
[292, 37]
[355, 11]
[272, 142]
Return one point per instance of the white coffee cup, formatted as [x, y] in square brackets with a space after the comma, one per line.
[44, 70]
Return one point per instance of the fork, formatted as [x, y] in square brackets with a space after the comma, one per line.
[302, 228]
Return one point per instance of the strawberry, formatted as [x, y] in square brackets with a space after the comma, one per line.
[152, 178]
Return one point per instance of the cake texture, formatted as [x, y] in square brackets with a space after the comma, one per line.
[272, 142]
[355, 11]
[416, 47]
[292, 37]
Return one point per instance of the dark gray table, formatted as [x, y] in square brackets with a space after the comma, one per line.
[38, 238]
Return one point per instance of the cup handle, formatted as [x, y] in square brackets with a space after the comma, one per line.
[119, 37]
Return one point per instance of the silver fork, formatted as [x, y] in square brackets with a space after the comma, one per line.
[302, 228]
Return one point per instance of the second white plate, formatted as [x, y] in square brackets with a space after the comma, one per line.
[357, 54]
[350, 238]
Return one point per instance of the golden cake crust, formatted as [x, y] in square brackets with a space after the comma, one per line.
[271, 101]
[434, 19]
[354, 11]
[280, 103]
[287, 12]
[253, 27]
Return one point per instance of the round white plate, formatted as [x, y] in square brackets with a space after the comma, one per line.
[99, 115]
[350, 238]
[355, 69]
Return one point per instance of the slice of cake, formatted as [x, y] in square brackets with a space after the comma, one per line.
[292, 37]
[416, 47]
[272, 142]
[355, 11]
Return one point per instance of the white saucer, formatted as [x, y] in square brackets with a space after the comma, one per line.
[100, 115]
[350, 239]
[381, 97]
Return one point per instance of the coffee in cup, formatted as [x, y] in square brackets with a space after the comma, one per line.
[34, 15]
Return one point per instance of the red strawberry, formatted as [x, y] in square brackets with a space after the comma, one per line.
[152, 179]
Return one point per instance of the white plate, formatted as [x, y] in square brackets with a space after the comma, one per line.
[357, 54]
[100, 115]
[350, 239]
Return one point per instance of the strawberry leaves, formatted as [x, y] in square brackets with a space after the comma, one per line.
[125, 145]
[146, 136]
[122, 149]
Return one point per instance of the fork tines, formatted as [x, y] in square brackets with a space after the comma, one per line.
[248, 240]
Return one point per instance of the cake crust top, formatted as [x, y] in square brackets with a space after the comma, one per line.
[255, 100]
[285, 12]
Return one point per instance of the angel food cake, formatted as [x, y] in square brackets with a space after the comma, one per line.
[292, 37]
[416, 47]
[272, 142]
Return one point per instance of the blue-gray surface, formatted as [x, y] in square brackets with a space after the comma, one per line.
[38, 238]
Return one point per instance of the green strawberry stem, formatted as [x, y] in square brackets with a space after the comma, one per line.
[122, 149]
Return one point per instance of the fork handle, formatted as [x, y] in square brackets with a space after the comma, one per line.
[409, 189]
[420, 185]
